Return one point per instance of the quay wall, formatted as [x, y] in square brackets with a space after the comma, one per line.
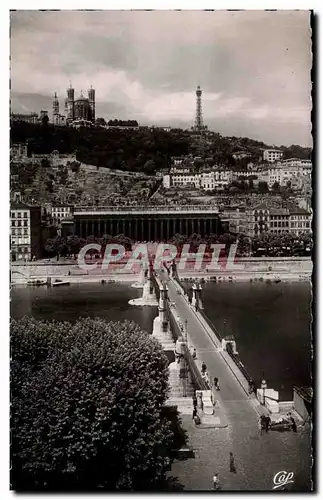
[253, 268]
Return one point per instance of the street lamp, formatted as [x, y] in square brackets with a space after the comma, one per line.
[185, 331]
[264, 387]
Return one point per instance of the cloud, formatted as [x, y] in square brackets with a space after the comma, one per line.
[251, 65]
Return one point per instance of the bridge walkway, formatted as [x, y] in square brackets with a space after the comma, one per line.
[257, 458]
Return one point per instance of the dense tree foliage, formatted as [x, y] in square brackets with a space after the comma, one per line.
[270, 244]
[123, 123]
[133, 149]
[87, 407]
[125, 149]
[276, 245]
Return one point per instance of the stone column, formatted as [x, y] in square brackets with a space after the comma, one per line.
[204, 226]
[149, 229]
[142, 230]
[167, 228]
[118, 226]
[105, 226]
[199, 226]
[136, 229]
[181, 226]
[186, 227]
[123, 226]
[86, 229]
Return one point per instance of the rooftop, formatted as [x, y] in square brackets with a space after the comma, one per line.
[19, 205]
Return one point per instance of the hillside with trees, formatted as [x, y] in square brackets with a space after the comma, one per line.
[87, 408]
[140, 149]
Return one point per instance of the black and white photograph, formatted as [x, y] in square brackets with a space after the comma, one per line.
[161, 235]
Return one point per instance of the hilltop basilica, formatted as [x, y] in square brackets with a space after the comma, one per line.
[80, 111]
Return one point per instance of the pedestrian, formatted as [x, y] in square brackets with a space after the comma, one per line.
[203, 368]
[262, 423]
[294, 426]
[232, 464]
[194, 353]
[216, 383]
[267, 423]
[216, 482]
[194, 401]
[194, 413]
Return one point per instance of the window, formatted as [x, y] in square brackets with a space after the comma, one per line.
[13, 215]
[19, 215]
[25, 223]
[19, 231]
[25, 215]
[19, 223]
[26, 231]
[26, 249]
[13, 231]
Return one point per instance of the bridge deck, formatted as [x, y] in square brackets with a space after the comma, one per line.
[257, 458]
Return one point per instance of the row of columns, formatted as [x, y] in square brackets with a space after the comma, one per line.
[146, 229]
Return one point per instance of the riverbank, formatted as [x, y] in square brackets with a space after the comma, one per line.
[251, 269]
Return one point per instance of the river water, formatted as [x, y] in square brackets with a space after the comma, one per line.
[271, 323]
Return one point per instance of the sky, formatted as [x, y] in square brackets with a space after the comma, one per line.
[253, 67]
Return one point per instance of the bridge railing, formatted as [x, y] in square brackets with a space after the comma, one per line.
[198, 382]
[238, 362]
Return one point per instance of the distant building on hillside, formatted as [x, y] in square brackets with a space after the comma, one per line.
[24, 117]
[60, 212]
[272, 155]
[57, 119]
[239, 155]
[18, 151]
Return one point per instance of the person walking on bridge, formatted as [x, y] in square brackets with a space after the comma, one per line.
[216, 384]
[232, 464]
[216, 482]
[203, 368]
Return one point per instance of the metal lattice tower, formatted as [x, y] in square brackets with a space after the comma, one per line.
[199, 117]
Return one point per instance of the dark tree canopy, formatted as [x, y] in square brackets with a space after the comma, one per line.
[86, 409]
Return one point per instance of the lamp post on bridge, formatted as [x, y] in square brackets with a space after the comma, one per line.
[185, 331]
[263, 387]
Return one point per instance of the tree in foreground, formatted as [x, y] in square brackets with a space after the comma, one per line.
[87, 407]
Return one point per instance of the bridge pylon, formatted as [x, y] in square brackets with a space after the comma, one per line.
[161, 327]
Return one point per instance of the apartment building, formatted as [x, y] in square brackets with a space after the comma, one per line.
[297, 162]
[208, 181]
[279, 220]
[19, 151]
[25, 231]
[300, 221]
[61, 212]
[283, 173]
[258, 219]
[272, 155]
[235, 218]
[217, 179]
